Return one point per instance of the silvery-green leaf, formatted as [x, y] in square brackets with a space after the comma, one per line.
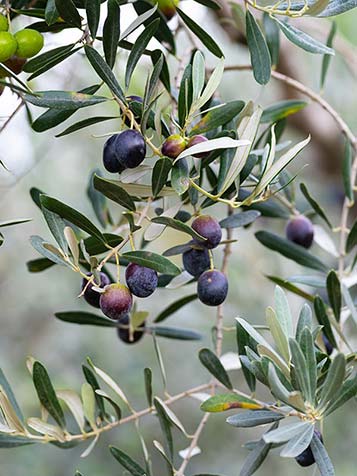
[324, 240]
[322, 459]
[109, 381]
[334, 380]
[298, 444]
[89, 405]
[90, 447]
[213, 144]
[285, 433]
[211, 86]
[46, 428]
[154, 230]
[198, 75]
[279, 336]
[171, 415]
[251, 418]
[9, 413]
[247, 130]
[139, 20]
[349, 302]
[282, 310]
[74, 403]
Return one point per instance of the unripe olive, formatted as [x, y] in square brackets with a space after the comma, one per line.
[173, 146]
[8, 45]
[29, 43]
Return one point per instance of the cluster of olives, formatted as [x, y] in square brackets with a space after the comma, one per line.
[300, 230]
[125, 150]
[23, 44]
[212, 285]
[116, 299]
[175, 144]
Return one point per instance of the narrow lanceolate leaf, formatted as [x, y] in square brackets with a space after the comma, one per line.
[13, 441]
[198, 75]
[48, 57]
[56, 225]
[63, 100]
[334, 380]
[139, 48]
[72, 215]
[127, 462]
[352, 238]
[322, 459]
[51, 13]
[346, 392]
[258, 48]
[228, 401]
[114, 192]
[315, 205]
[272, 36]
[17, 221]
[152, 260]
[46, 428]
[111, 32]
[174, 333]
[283, 312]
[170, 415]
[333, 287]
[74, 404]
[282, 109]
[12, 423]
[303, 40]
[278, 334]
[104, 72]
[256, 457]
[165, 424]
[279, 165]
[323, 320]
[213, 144]
[93, 16]
[206, 39]
[48, 251]
[217, 117]
[247, 130]
[215, 367]
[148, 385]
[300, 369]
[298, 444]
[160, 173]
[47, 394]
[308, 348]
[327, 58]
[89, 407]
[290, 250]
[240, 219]
[175, 306]
[68, 12]
[346, 171]
[179, 226]
[10, 395]
[253, 418]
[85, 318]
[85, 123]
[285, 433]
[137, 22]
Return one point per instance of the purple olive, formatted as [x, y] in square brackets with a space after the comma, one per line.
[212, 287]
[116, 301]
[300, 230]
[90, 295]
[209, 228]
[141, 281]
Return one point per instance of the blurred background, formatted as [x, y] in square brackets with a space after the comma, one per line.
[61, 168]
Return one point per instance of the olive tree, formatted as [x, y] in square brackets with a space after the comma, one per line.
[180, 151]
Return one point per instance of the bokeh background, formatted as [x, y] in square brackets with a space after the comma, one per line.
[61, 168]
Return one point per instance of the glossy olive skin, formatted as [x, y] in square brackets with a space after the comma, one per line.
[141, 281]
[92, 297]
[198, 140]
[195, 261]
[130, 148]
[209, 228]
[110, 157]
[29, 43]
[124, 331]
[116, 301]
[212, 287]
[300, 230]
[173, 146]
[306, 458]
